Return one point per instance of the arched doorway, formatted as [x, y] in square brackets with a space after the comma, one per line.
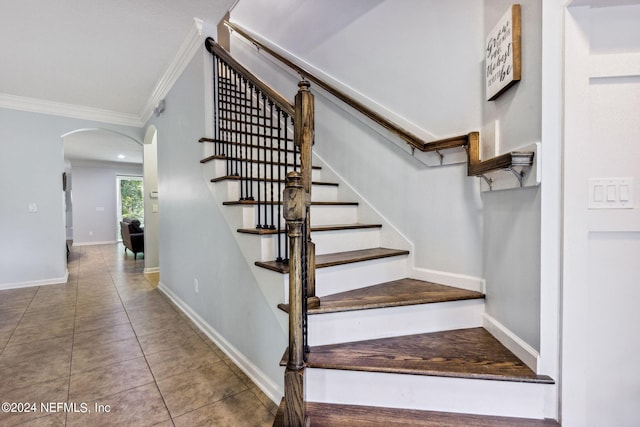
[93, 158]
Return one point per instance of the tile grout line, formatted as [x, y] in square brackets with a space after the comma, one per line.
[144, 355]
[20, 321]
[73, 338]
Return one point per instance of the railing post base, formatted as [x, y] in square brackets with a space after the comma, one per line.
[294, 413]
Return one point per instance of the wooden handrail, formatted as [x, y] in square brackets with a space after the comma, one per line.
[410, 138]
[282, 102]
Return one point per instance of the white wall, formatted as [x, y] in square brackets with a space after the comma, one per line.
[95, 217]
[195, 241]
[32, 246]
[600, 381]
[392, 53]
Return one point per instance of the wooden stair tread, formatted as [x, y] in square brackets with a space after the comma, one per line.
[464, 353]
[390, 294]
[275, 202]
[261, 161]
[339, 258]
[239, 178]
[318, 228]
[326, 414]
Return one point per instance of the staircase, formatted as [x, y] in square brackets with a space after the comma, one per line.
[383, 348]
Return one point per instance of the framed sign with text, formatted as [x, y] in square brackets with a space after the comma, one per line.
[502, 54]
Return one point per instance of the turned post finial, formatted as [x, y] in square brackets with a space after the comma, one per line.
[304, 85]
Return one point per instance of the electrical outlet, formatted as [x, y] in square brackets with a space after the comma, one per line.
[196, 285]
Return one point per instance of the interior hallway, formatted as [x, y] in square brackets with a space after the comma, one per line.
[108, 337]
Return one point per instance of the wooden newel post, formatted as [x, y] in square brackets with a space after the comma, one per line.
[295, 213]
[304, 135]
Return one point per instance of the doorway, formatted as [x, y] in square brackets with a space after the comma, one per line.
[130, 203]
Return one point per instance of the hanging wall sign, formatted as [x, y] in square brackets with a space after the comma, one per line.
[502, 54]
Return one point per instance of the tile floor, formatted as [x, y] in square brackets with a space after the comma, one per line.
[115, 351]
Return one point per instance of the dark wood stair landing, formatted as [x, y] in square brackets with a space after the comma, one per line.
[463, 353]
[390, 294]
[333, 415]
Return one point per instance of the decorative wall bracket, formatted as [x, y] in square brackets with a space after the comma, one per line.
[442, 152]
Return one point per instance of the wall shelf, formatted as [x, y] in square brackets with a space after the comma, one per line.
[515, 169]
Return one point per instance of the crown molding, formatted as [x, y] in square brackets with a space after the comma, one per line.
[192, 43]
[34, 105]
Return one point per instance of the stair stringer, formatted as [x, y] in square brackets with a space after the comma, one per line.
[272, 292]
[274, 286]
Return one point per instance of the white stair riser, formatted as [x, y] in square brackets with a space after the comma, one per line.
[333, 328]
[324, 193]
[331, 280]
[345, 240]
[472, 396]
[325, 241]
[258, 170]
[260, 153]
[322, 215]
[357, 275]
[334, 214]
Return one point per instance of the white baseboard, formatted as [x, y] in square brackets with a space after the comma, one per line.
[110, 242]
[151, 270]
[462, 281]
[42, 282]
[268, 387]
[517, 346]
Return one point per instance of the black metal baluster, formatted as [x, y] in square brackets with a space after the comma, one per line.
[262, 165]
[305, 288]
[250, 117]
[272, 175]
[236, 125]
[295, 153]
[216, 106]
[243, 140]
[227, 116]
[279, 186]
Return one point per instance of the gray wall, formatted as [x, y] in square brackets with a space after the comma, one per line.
[95, 200]
[32, 246]
[511, 224]
[495, 236]
[390, 55]
[195, 241]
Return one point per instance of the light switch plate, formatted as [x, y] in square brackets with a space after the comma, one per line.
[610, 193]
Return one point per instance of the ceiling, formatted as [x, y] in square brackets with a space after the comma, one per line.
[604, 3]
[102, 146]
[107, 57]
